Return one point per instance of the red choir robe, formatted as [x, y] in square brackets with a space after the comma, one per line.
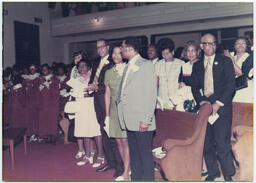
[18, 107]
[31, 84]
[48, 103]
[7, 103]
[64, 88]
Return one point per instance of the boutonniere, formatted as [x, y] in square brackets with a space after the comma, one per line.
[216, 63]
[134, 68]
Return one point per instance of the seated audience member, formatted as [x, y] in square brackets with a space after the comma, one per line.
[31, 84]
[86, 125]
[249, 36]
[180, 53]
[48, 104]
[152, 54]
[64, 96]
[184, 98]
[167, 71]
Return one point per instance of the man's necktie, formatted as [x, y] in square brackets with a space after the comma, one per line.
[208, 79]
[102, 63]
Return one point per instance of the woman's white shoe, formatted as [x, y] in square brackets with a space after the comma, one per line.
[79, 154]
[120, 178]
[85, 160]
[99, 161]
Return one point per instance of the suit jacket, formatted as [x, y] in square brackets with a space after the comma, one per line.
[138, 99]
[223, 79]
[99, 100]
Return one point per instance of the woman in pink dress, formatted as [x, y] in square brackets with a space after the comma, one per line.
[86, 125]
[48, 102]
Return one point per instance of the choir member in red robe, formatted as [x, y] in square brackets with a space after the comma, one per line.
[7, 102]
[18, 107]
[48, 102]
[31, 84]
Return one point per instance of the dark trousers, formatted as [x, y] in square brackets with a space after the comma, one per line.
[140, 148]
[217, 146]
[110, 147]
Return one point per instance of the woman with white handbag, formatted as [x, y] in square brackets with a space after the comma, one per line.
[86, 125]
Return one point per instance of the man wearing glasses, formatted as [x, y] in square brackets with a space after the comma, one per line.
[111, 151]
[213, 82]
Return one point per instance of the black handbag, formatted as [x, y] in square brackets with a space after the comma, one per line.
[241, 82]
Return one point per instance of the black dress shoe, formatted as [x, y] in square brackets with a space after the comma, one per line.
[204, 174]
[105, 168]
[227, 178]
[212, 177]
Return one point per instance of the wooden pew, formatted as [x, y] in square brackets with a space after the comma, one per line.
[182, 135]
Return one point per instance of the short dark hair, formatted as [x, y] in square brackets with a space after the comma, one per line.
[165, 43]
[249, 33]
[133, 42]
[77, 53]
[104, 40]
[87, 62]
[46, 65]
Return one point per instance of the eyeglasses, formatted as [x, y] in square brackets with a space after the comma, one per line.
[101, 47]
[240, 43]
[209, 43]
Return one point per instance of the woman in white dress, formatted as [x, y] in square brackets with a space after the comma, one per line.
[241, 54]
[86, 125]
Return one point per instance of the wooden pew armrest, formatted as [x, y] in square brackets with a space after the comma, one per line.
[171, 143]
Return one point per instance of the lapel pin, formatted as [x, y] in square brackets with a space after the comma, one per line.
[216, 63]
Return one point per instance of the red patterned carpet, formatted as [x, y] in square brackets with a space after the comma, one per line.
[47, 162]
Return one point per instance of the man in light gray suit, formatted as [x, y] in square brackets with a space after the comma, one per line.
[136, 101]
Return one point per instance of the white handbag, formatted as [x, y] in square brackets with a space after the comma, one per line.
[72, 107]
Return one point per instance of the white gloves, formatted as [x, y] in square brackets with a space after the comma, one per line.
[106, 127]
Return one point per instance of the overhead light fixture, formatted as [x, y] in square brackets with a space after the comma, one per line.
[96, 19]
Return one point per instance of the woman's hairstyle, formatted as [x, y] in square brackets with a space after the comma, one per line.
[78, 53]
[87, 63]
[111, 50]
[246, 41]
[164, 43]
[178, 52]
[192, 43]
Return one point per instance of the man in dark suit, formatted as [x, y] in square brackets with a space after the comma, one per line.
[213, 81]
[112, 155]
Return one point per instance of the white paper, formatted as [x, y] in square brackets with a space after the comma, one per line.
[213, 118]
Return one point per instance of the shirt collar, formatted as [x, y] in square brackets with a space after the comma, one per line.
[133, 60]
[211, 59]
[105, 59]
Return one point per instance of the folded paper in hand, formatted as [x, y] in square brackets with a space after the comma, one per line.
[106, 127]
[213, 118]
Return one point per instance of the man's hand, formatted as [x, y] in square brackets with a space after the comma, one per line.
[215, 108]
[92, 87]
[143, 127]
[204, 102]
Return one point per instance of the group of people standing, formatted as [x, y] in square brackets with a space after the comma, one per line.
[117, 95]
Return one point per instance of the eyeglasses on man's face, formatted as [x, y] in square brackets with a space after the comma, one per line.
[101, 47]
[209, 43]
